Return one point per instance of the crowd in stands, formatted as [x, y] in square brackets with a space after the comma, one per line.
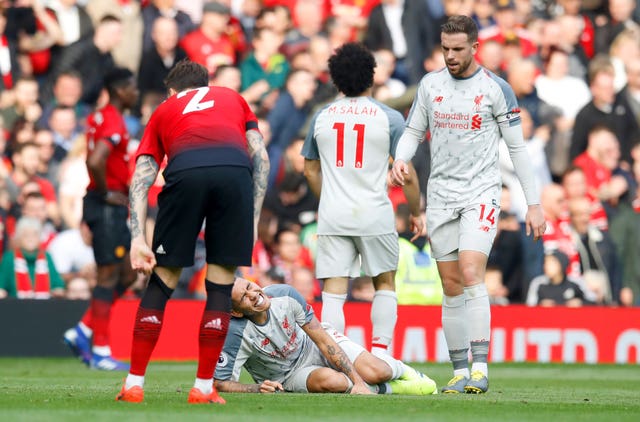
[574, 66]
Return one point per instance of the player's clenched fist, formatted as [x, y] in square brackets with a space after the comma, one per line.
[142, 257]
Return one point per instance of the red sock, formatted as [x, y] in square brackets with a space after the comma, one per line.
[213, 331]
[101, 303]
[86, 318]
[146, 332]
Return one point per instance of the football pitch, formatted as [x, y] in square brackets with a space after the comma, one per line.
[63, 389]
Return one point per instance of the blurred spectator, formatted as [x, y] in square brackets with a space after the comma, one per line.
[574, 183]
[72, 255]
[26, 160]
[162, 54]
[598, 162]
[74, 22]
[227, 76]
[507, 29]
[63, 125]
[319, 53]
[624, 49]
[338, 31]
[417, 279]
[209, 44]
[292, 160]
[9, 67]
[553, 288]
[596, 251]
[521, 75]
[67, 91]
[587, 35]
[495, 288]
[264, 70]
[620, 18]
[557, 237]
[510, 253]
[361, 289]
[78, 289]
[36, 39]
[73, 179]
[49, 166]
[603, 109]
[290, 254]
[629, 98]
[91, 58]
[163, 8]
[559, 89]
[34, 205]
[384, 85]
[292, 201]
[491, 57]
[24, 105]
[126, 54]
[303, 280]
[289, 115]
[407, 29]
[27, 271]
[483, 11]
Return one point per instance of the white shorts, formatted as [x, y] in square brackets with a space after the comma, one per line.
[296, 381]
[472, 228]
[341, 256]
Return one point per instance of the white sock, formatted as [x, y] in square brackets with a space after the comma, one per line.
[479, 314]
[454, 325]
[204, 385]
[101, 350]
[482, 367]
[85, 330]
[384, 314]
[397, 367]
[133, 381]
[332, 310]
[462, 371]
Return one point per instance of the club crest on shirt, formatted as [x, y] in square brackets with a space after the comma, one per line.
[477, 102]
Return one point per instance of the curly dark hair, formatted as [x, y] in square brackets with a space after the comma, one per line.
[351, 68]
[187, 74]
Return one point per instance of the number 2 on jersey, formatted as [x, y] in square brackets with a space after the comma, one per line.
[195, 103]
[359, 129]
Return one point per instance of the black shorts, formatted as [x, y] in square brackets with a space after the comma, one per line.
[223, 195]
[108, 224]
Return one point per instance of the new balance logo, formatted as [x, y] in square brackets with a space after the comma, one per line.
[161, 250]
[151, 320]
[214, 324]
[438, 99]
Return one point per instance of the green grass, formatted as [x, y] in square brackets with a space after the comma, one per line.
[63, 389]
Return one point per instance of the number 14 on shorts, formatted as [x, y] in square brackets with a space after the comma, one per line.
[487, 215]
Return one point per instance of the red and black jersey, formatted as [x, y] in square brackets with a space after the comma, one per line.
[200, 127]
[107, 125]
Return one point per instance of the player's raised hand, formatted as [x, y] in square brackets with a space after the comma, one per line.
[269, 386]
[361, 389]
[534, 222]
[142, 257]
[399, 169]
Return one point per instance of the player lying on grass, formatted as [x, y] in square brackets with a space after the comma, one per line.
[275, 335]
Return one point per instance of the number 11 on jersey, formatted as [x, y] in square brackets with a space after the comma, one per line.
[359, 129]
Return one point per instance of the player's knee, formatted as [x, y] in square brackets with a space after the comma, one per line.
[375, 372]
[327, 380]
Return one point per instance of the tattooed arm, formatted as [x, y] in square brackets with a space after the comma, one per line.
[335, 355]
[260, 159]
[142, 257]
[267, 386]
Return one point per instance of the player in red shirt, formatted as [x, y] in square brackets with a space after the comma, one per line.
[105, 212]
[217, 170]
